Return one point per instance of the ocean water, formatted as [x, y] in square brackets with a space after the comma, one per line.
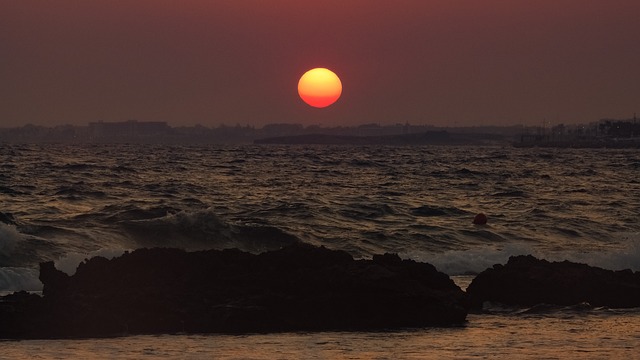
[69, 202]
[567, 336]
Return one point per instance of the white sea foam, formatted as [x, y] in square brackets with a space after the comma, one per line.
[17, 278]
[9, 236]
[184, 229]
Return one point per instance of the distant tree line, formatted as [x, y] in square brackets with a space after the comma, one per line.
[160, 132]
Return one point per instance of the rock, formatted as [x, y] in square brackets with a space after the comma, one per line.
[297, 288]
[527, 281]
[20, 315]
[53, 279]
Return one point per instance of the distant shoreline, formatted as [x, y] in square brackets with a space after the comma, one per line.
[604, 134]
[596, 143]
[425, 138]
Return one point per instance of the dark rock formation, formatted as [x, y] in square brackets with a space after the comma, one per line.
[57, 281]
[527, 281]
[299, 287]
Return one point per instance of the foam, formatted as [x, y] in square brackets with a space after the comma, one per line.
[17, 278]
[9, 236]
[183, 229]
[204, 229]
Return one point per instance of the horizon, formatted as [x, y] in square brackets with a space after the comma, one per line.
[543, 124]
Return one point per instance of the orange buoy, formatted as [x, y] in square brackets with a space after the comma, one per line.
[480, 219]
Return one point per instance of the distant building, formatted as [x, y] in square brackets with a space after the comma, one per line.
[620, 128]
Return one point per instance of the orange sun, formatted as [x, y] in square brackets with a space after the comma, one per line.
[319, 87]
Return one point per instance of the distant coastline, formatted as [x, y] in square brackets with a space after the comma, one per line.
[592, 143]
[133, 131]
[607, 133]
[427, 138]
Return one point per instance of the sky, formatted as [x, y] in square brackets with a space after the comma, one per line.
[425, 62]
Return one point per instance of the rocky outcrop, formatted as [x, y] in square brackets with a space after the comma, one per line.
[299, 287]
[527, 281]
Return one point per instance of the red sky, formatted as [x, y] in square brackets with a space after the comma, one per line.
[439, 62]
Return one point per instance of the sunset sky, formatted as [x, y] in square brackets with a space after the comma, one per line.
[438, 62]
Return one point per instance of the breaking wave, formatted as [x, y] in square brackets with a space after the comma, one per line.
[204, 229]
[19, 278]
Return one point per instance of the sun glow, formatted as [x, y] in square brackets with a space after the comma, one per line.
[319, 87]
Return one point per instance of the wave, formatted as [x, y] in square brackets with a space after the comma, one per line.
[117, 213]
[9, 191]
[203, 229]
[18, 248]
[191, 230]
[429, 211]
[122, 169]
[81, 166]
[365, 211]
[78, 192]
[366, 163]
[468, 172]
[19, 278]
[510, 193]
[9, 236]
[48, 231]
[7, 218]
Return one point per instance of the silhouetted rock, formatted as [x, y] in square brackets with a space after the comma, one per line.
[527, 281]
[54, 280]
[299, 287]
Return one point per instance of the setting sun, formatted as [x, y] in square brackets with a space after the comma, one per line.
[319, 87]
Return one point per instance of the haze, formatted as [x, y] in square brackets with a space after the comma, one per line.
[464, 62]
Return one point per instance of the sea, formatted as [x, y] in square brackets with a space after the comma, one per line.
[66, 203]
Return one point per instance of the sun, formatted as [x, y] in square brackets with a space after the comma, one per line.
[319, 87]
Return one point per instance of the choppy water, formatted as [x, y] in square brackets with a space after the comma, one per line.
[67, 202]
